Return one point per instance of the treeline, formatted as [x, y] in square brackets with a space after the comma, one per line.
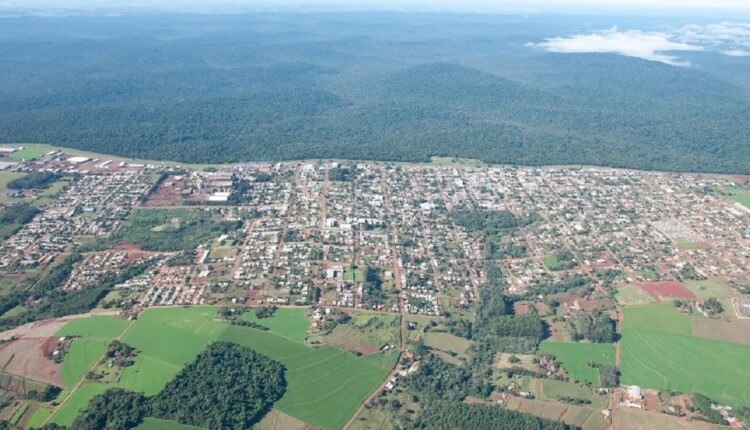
[227, 386]
[455, 415]
[14, 217]
[596, 327]
[34, 180]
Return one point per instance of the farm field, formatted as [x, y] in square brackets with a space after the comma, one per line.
[167, 339]
[575, 357]
[79, 358]
[585, 417]
[709, 288]
[549, 389]
[632, 295]
[658, 350]
[277, 420]
[287, 322]
[661, 290]
[365, 333]
[628, 419]
[447, 343]
[663, 318]
[37, 418]
[739, 195]
[733, 330]
[77, 402]
[326, 385]
[98, 326]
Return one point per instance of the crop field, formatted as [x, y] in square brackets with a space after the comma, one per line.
[661, 290]
[79, 358]
[632, 295]
[325, 385]
[37, 418]
[287, 322]
[663, 318]
[658, 350]
[167, 339]
[630, 419]
[732, 330]
[99, 326]
[709, 288]
[77, 402]
[586, 417]
[575, 357]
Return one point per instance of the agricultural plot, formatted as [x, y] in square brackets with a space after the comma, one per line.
[585, 417]
[287, 322]
[167, 339]
[661, 290]
[658, 350]
[79, 358]
[366, 333]
[575, 357]
[37, 418]
[708, 288]
[632, 295]
[630, 419]
[732, 330]
[326, 385]
[98, 326]
[448, 343]
[77, 402]
[739, 195]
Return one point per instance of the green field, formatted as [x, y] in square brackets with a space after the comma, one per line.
[686, 364]
[448, 343]
[549, 389]
[37, 418]
[77, 402]
[167, 339]
[79, 358]
[663, 318]
[287, 322]
[28, 153]
[708, 288]
[326, 385]
[157, 424]
[739, 195]
[104, 326]
[574, 358]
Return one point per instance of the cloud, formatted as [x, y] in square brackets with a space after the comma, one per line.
[736, 53]
[652, 46]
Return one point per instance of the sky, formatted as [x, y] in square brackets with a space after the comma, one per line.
[430, 5]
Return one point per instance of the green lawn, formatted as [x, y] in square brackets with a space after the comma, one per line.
[157, 424]
[551, 262]
[326, 385]
[29, 153]
[708, 288]
[663, 318]
[104, 326]
[77, 402]
[79, 358]
[287, 322]
[575, 357]
[167, 339]
[684, 363]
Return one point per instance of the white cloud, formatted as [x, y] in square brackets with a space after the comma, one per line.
[736, 53]
[652, 46]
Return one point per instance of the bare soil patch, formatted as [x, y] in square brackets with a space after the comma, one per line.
[665, 289]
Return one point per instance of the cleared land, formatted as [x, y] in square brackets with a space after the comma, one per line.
[448, 343]
[575, 357]
[660, 290]
[103, 326]
[658, 350]
[326, 385]
[632, 295]
[629, 419]
[709, 288]
[287, 322]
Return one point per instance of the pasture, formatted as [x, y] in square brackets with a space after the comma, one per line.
[632, 295]
[98, 326]
[325, 385]
[448, 343]
[575, 357]
[659, 351]
[79, 358]
[38, 417]
[709, 288]
[167, 339]
[287, 322]
[77, 402]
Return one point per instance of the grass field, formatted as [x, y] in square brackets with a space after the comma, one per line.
[448, 343]
[77, 402]
[739, 195]
[28, 153]
[658, 350]
[629, 419]
[79, 358]
[157, 424]
[730, 330]
[99, 326]
[37, 418]
[574, 358]
[549, 389]
[326, 385]
[167, 339]
[632, 295]
[663, 318]
[287, 322]
[708, 288]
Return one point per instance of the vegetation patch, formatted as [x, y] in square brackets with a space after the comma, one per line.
[632, 295]
[77, 403]
[663, 318]
[97, 326]
[79, 358]
[287, 322]
[576, 358]
[708, 288]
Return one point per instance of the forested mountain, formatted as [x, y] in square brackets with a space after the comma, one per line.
[399, 87]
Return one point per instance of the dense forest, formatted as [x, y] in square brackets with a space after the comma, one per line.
[394, 87]
[226, 387]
